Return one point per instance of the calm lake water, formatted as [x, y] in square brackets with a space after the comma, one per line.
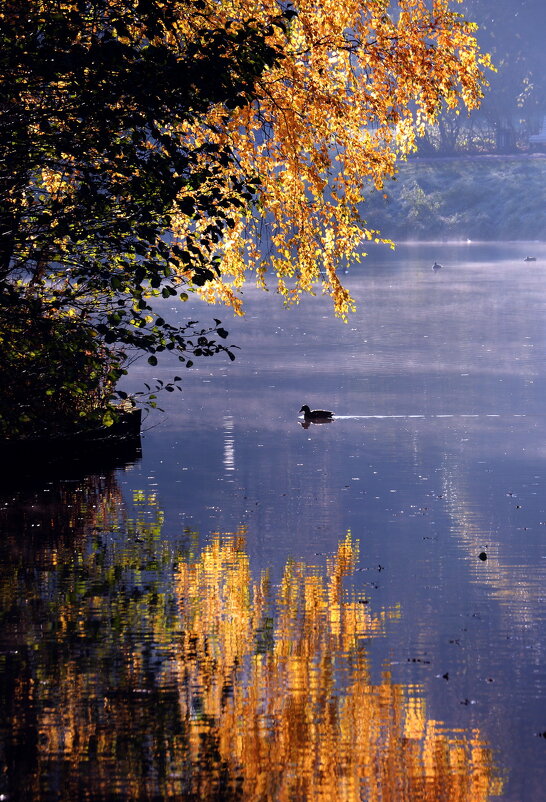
[178, 625]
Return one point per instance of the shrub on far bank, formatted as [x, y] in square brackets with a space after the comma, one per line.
[491, 198]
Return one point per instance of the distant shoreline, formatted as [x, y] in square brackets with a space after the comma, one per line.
[416, 157]
[475, 197]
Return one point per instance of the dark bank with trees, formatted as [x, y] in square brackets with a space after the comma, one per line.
[144, 148]
[93, 99]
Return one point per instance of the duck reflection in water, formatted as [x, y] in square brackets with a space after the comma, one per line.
[315, 416]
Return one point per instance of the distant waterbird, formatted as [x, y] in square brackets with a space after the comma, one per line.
[436, 266]
[316, 415]
[530, 259]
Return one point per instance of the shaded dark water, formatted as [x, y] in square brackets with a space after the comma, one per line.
[142, 656]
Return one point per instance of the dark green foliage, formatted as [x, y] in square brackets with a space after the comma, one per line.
[59, 373]
[95, 96]
[106, 114]
[56, 375]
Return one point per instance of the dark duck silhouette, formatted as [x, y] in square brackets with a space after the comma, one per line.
[316, 415]
[530, 259]
[436, 266]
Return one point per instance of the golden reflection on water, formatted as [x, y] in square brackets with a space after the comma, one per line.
[300, 718]
[141, 673]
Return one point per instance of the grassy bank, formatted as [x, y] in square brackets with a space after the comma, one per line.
[466, 198]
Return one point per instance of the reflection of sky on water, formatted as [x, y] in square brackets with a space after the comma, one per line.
[437, 455]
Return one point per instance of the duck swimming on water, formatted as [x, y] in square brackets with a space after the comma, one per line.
[316, 414]
[530, 259]
[436, 266]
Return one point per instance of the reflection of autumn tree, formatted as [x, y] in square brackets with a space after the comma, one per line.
[141, 672]
[299, 717]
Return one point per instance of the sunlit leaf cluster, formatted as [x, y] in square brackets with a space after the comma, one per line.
[357, 83]
[95, 161]
[175, 116]
[156, 148]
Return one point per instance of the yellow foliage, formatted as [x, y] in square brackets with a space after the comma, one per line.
[357, 83]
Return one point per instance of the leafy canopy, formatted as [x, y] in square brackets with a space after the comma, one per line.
[157, 147]
[172, 116]
[95, 159]
[358, 81]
